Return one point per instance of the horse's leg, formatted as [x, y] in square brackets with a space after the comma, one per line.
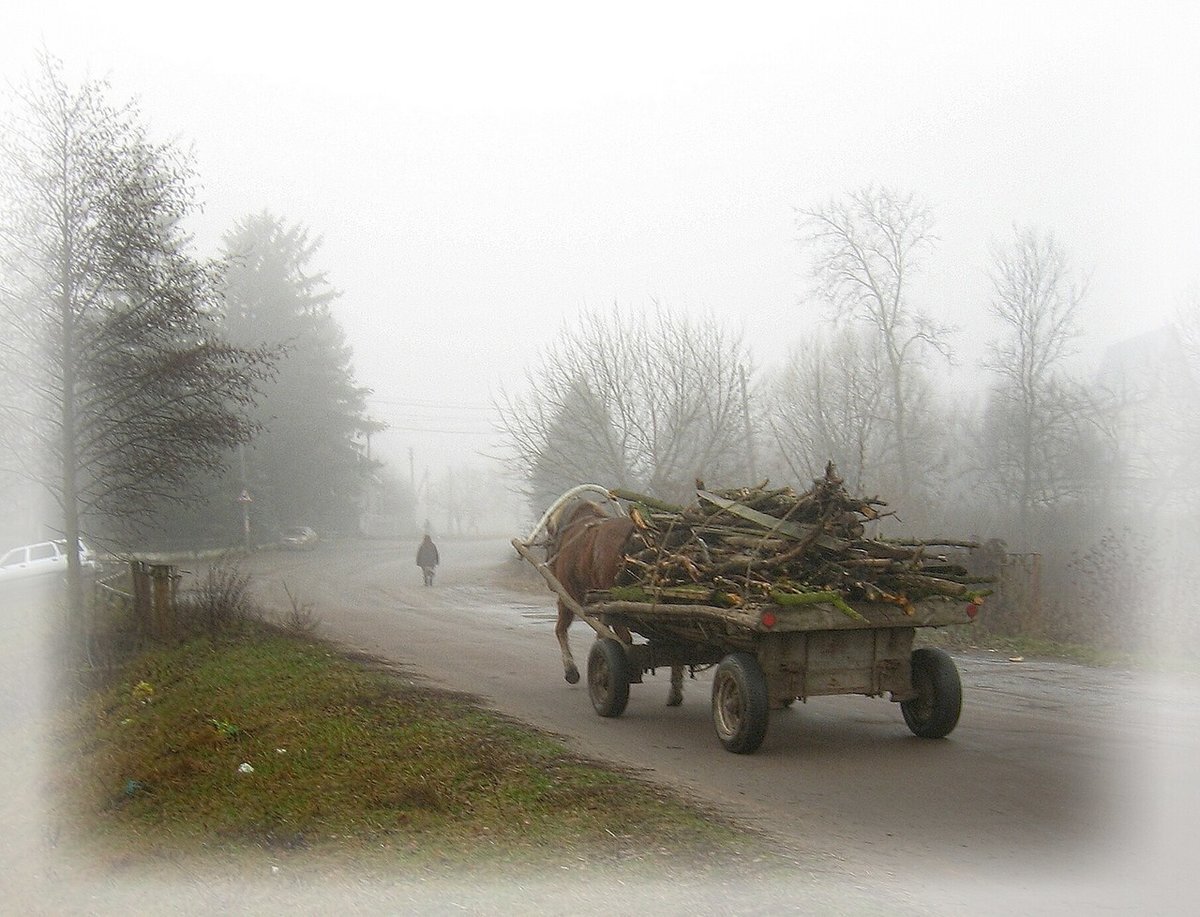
[675, 697]
[565, 616]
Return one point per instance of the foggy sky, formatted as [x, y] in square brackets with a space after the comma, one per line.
[482, 173]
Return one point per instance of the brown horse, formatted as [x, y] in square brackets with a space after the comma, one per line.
[585, 552]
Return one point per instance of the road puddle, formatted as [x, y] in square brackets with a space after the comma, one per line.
[535, 614]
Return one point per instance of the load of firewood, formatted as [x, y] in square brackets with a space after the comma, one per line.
[760, 545]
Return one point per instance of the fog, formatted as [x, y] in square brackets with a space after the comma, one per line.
[483, 176]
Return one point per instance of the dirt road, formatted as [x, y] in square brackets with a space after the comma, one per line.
[1063, 787]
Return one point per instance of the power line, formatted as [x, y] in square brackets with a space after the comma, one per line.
[399, 429]
[417, 412]
[432, 405]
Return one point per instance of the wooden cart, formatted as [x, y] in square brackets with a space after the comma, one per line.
[768, 656]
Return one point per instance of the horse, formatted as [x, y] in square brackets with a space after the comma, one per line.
[585, 551]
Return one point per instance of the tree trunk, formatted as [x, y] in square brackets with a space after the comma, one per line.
[68, 445]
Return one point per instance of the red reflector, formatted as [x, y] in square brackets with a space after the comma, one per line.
[972, 610]
[768, 619]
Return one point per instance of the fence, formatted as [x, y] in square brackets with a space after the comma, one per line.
[1015, 605]
[151, 602]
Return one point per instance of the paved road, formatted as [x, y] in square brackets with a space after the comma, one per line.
[1063, 787]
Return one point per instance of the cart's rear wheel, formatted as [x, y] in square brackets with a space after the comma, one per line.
[740, 703]
[609, 674]
[933, 713]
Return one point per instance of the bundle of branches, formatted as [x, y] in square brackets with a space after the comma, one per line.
[757, 545]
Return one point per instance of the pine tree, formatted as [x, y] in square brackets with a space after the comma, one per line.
[119, 388]
[304, 466]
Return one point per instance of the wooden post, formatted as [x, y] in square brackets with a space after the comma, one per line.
[1035, 600]
[142, 605]
[164, 611]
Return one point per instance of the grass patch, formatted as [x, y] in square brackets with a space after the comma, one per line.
[274, 741]
[967, 637]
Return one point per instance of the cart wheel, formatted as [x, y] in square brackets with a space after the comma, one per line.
[740, 703]
[608, 674]
[933, 713]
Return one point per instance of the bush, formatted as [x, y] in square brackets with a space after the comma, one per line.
[220, 602]
[301, 618]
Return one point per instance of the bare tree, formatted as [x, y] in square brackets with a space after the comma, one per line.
[117, 387]
[1037, 420]
[465, 498]
[647, 400]
[826, 404]
[868, 248]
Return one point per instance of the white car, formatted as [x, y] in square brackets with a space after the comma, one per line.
[300, 538]
[40, 559]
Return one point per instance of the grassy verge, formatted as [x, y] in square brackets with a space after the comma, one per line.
[277, 742]
[963, 638]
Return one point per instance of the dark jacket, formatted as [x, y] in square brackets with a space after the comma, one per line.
[427, 554]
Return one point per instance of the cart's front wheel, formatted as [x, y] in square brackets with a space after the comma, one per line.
[740, 703]
[933, 713]
[609, 674]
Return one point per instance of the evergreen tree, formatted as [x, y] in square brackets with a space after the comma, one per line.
[580, 445]
[650, 400]
[304, 466]
[119, 389]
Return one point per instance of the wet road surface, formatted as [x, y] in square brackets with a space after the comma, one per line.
[1062, 784]
[1064, 789]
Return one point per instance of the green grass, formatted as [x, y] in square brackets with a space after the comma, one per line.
[348, 756]
[967, 637]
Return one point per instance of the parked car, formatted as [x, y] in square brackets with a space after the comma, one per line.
[41, 559]
[299, 538]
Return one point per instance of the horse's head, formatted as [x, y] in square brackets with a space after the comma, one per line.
[572, 513]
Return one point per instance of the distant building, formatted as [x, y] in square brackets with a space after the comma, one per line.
[1151, 399]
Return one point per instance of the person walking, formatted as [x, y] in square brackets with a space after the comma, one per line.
[427, 559]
